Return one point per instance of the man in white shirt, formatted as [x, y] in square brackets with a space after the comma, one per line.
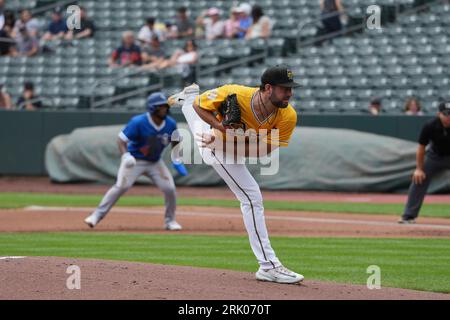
[148, 31]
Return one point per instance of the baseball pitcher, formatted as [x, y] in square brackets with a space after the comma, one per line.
[141, 144]
[264, 110]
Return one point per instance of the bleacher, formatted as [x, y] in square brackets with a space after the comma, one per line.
[341, 75]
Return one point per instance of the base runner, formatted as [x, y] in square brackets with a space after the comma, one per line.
[141, 144]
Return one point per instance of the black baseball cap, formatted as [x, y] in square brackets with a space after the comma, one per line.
[279, 76]
[376, 101]
[444, 107]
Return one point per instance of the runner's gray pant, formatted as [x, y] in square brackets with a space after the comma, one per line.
[433, 164]
[126, 177]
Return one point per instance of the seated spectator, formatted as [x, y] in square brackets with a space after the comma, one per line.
[245, 20]
[184, 60]
[154, 52]
[26, 45]
[28, 101]
[413, 107]
[128, 54]
[27, 20]
[57, 28]
[210, 22]
[169, 31]
[6, 42]
[375, 106]
[148, 31]
[86, 30]
[2, 14]
[331, 19]
[232, 24]
[10, 21]
[185, 26]
[261, 26]
[5, 99]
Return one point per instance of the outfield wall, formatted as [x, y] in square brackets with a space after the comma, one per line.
[25, 135]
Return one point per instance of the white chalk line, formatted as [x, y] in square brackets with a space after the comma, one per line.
[267, 217]
[12, 258]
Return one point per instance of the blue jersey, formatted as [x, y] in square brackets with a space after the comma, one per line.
[145, 139]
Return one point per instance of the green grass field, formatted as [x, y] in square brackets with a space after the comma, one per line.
[421, 264]
[20, 200]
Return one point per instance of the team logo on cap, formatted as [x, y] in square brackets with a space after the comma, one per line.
[290, 75]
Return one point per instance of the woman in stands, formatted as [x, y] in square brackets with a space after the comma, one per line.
[413, 107]
[261, 26]
[183, 59]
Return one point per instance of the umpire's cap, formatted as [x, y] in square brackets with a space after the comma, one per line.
[280, 76]
[444, 107]
[155, 100]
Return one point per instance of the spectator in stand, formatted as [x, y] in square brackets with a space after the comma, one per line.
[170, 30]
[128, 54]
[2, 14]
[332, 13]
[185, 26]
[153, 53]
[6, 43]
[5, 99]
[375, 106]
[232, 24]
[261, 26]
[148, 31]
[87, 27]
[28, 101]
[10, 21]
[413, 107]
[57, 28]
[184, 60]
[27, 20]
[210, 22]
[26, 45]
[245, 20]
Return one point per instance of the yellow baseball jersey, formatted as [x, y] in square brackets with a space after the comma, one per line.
[283, 119]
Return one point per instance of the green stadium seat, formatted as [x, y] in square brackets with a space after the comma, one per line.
[348, 106]
[434, 70]
[379, 82]
[308, 106]
[135, 104]
[420, 81]
[399, 82]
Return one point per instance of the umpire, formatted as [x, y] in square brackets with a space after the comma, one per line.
[436, 158]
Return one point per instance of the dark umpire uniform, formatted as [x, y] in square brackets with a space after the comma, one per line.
[434, 159]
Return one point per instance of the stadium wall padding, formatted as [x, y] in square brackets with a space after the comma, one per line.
[25, 135]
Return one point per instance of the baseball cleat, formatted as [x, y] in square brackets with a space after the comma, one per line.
[407, 221]
[173, 226]
[92, 220]
[279, 274]
[178, 99]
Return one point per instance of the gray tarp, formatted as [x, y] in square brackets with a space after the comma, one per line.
[316, 159]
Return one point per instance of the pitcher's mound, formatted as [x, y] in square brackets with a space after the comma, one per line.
[47, 278]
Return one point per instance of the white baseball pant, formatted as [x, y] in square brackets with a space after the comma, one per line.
[126, 177]
[243, 185]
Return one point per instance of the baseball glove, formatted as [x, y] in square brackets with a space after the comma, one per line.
[231, 112]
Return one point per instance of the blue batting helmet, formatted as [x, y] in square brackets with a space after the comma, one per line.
[155, 100]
